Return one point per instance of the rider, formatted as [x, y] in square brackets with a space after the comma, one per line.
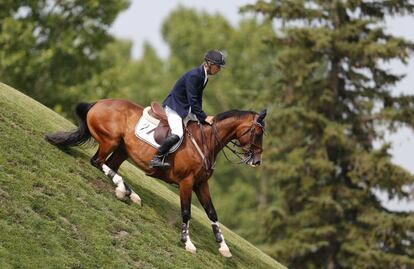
[184, 102]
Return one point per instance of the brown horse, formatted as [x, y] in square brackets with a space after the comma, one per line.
[111, 123]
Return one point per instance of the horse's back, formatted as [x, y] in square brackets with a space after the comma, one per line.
[113, 117]
[117, 104]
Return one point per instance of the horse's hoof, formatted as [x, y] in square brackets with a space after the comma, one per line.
[135, 198]
[225, 252]
[189, 246]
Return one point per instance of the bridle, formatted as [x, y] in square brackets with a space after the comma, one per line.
[245, 156]
[248, 151]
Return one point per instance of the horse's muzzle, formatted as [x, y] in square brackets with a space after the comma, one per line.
[257, 163]
[254, 160]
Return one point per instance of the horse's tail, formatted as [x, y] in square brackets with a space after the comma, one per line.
[76, 137]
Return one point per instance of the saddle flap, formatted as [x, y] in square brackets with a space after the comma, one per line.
[157, 111]
[153, 130]
[161, 132]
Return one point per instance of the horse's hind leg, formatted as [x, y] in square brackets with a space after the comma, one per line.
[104, 149]
[98, 160]
[114, 162]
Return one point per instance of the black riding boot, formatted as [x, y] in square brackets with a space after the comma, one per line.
[163, 151]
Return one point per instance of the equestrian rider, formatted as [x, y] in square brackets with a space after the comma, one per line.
[184, 102]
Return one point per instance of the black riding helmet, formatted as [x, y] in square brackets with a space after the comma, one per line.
[215, 57]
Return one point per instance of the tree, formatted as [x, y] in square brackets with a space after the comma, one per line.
[332, 95]
[50, 46]
[146, 79]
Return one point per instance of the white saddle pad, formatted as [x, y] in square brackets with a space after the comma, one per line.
[145, 130]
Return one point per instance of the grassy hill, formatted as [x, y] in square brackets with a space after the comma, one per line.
[57, 211]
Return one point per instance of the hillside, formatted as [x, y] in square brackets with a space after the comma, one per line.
[58, 211]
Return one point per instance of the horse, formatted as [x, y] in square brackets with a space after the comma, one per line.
[111, 123]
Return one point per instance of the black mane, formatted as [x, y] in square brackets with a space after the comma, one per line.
[233, 113]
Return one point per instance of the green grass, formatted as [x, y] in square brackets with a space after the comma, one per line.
[58, 211]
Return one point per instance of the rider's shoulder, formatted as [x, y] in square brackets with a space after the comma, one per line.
[195, 72]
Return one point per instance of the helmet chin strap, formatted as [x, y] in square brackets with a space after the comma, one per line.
[208, 67]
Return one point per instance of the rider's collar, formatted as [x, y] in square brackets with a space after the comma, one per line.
[205, 74]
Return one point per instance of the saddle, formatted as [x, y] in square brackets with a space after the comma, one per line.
[152, 127]
[163, 129]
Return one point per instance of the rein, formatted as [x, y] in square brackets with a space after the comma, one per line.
[199, 150]
[235, 152]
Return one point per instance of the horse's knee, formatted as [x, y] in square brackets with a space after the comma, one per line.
[212, 215]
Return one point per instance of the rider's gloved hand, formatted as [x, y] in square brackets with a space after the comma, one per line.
[209, 119]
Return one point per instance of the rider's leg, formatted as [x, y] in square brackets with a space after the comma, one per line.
[176, 125]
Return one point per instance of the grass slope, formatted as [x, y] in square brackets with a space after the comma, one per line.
[57, 211]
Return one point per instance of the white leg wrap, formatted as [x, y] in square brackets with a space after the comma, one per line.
[185, 235]
[224, 249]
[135, 198]
[189, 246]
[117, 179]
[120, 190]
[106, 169]
[216, 223]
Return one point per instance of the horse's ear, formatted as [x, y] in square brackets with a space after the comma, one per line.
[262, 115]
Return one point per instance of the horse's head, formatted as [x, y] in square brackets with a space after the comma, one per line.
[250, 137]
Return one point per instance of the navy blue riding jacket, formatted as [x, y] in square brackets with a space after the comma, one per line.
[188, 92]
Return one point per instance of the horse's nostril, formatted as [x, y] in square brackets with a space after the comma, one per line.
[257, 163]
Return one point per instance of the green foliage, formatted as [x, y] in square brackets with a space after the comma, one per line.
[146, 79]
[50, 48]
[58, 211]
[322, 211]
[187, 43]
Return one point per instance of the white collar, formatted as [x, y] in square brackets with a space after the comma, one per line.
[205, 74]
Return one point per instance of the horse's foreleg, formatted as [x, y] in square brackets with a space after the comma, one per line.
[186, 188]
[203, 195]
[114, 162]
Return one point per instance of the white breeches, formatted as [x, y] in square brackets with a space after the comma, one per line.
[175, 122]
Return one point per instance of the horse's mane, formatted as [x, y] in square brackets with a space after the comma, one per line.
[232, 113]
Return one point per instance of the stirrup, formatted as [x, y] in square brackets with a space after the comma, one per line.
[158, 162]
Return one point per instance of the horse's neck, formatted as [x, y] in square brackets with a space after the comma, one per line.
[226, 131]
